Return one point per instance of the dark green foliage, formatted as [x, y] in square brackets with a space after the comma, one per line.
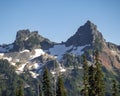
[8, 78]
[10, 81]
[61, 91]
[114, 88]
[99, 77]
[46, 83]
[19, 90]
[71, 60]
[73, 82]
[91, 81]
[85, 90]
[68, 60]
[52, 64]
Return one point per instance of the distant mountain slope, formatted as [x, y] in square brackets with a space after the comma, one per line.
[31, 52]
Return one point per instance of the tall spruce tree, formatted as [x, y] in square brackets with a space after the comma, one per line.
[85, 78]
[61, 91]
[114, 88]
[46, 83]
[20, 91]
[99, 82]
[91, 81]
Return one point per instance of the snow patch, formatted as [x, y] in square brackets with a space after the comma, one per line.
[62, 69]
[53, 72]
[38, 52]
[34, 75]
[26, 39]
[2, 54]
[78, 50]
[59, 50]
[21, 68]
[114, 52]
[25, 51]
[8, 58]
[12, 63]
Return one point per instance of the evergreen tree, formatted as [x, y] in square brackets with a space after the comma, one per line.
[85, 77]
[46, 83]
[99, 82]
[19, 91]
[91, 81]
[61, 91]
[114, 88]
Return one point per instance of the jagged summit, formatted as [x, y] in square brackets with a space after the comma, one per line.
[85, 34]
[29, 40]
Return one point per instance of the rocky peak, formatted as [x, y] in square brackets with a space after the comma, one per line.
[86, 34]
[22, 34]
[30, 40]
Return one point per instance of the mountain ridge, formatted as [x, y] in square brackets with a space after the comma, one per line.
[87, 38]
[30, 53]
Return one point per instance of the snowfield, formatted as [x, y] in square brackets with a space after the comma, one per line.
[60, 50]
[25, 51]
[1, 54]
[78, 50]
[38, 52]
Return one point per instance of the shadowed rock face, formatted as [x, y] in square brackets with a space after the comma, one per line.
[30, 40]
[86, 34]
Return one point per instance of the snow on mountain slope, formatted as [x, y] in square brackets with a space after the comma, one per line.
[60, 50]
[79, 50]
[1, 54]
[25, 51]
[21, 68]
[38, 52]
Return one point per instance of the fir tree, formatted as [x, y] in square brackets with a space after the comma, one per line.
[114, 88]
[61, 91]
[46, 83]
[85, 77]
[99, 82]
[91, 81]
[19, 91]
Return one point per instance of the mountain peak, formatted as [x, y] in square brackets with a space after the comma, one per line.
[88, 22]
[85, 34]
[30, 40]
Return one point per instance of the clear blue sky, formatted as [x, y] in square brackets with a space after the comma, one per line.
[58, 19]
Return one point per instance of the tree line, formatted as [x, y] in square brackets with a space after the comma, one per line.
[93, 79]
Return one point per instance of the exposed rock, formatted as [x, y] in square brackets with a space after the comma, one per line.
[112, 46]
[30, 40]
[86, 34]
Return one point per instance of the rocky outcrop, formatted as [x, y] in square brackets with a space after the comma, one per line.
[86, 34]
[30, 40]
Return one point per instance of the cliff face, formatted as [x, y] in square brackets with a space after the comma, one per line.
[88, 34]
[30, 40]
[84, 41]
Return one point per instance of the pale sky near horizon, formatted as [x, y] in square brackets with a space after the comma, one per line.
[57, 20]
